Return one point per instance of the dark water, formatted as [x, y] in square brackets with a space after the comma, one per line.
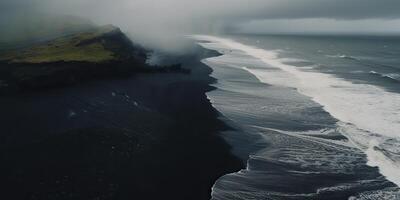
[317, 116]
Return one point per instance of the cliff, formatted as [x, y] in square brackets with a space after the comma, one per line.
[102, 52]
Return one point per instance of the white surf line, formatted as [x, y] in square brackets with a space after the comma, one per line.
[372, 110]
[330, 143]
[313, 84]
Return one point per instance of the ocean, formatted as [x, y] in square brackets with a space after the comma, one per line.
[315, 117]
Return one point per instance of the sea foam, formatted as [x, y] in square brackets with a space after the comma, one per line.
[369, 116]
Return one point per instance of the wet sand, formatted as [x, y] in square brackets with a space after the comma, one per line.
[152, 136]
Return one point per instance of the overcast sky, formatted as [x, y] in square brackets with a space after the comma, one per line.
[158, 20]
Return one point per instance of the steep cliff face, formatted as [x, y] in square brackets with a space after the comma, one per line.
[103, 52]
[103, 44]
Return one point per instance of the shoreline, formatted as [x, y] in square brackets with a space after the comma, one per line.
[143, 137]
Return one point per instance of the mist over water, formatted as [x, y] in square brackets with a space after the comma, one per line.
[315, 116]
[161, 24]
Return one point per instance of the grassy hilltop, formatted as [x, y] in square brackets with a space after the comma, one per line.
[106, 43]
[92, 53]
[99, 52]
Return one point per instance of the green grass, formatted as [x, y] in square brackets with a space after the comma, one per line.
[65, 49]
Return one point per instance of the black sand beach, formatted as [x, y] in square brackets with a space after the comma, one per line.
[152, 136]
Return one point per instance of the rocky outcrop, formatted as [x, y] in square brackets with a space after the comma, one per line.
[103, 53]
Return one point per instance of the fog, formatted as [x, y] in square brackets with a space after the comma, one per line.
[320, 26]
[159, 23]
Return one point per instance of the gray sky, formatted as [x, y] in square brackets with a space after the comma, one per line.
[157, 22]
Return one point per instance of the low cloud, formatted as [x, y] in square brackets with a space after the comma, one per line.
[158, 23]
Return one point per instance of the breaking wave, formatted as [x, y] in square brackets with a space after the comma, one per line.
[368, 115]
